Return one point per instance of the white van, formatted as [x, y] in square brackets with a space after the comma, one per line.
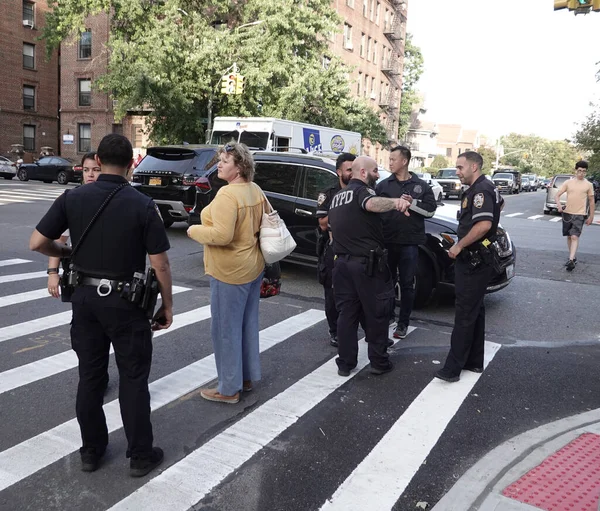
[271, 134]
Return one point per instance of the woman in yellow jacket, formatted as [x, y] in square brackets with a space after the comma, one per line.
[234, 262]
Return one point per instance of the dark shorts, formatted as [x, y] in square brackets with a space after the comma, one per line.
[572, 224]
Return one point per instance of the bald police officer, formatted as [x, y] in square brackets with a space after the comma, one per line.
[477, 223]
[362, 282]
[127, 229]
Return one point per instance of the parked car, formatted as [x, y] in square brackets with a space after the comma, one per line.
[505, 182]
[545, 183]
[555, 183]
[436, 188]
[175, 176]
[534, 182]
[293, 182]
[50, 168]
[526, 185]
[8, 169]
[450, 183]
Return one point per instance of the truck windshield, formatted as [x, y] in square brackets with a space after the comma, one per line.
[447, 173]
[253, 139]
[503, 176]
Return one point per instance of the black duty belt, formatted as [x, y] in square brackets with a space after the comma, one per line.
[348, 257]
[104, 287]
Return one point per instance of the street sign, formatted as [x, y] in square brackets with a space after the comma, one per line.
[68, 139]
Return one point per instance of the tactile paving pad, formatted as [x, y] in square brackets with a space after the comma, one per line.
[569, 480]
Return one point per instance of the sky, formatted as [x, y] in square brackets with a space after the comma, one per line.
[504, 66]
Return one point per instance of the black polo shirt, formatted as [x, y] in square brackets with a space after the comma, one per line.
[481, 201]
[116, 246]
[324, 200]
[356, 231]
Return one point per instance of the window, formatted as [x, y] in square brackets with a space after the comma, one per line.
[28, 12]
[137, 135]
[276, 177]
[372, 11]
[369, 44]
[326, 62]
[359, 83]
[85, 44]
[28, 56]
[362, 45]
[373, 94]
[381, 92]
[350, 3]
[383, 52]
[366, 90]
[365, 7]
[449, 152]
[377, 13]
[375, 52]
[347, 36]
[317, 180]
[386, 20]
[28, 97]
[84, 144]
[85, 92]
[29, 137]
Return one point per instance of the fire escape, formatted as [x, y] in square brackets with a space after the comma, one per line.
[390, 102]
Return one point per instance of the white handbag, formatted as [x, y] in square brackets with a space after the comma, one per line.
[276, 242]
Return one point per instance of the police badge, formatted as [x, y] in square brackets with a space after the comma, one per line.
[465, 203]
[321, 199]
[478, 200]
[417, 189]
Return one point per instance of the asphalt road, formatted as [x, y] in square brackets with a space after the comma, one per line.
[305, 438]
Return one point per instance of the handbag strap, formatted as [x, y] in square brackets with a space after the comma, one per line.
[96, 215]
[267, 202]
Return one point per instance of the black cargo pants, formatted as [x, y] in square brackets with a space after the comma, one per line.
[325, 274]
[365, 299]
[468, 336]
[98, 322]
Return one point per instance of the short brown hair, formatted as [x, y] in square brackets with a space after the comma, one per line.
[241, 157]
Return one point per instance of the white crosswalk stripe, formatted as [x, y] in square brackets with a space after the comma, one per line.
[14, 195]
[513, 215]
[535, 217]
[11, 262]
[558, 219]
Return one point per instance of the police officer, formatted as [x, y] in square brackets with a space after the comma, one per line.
[403, 234]
[477, 223]
[343, 167]
[362, 281]
[127, 229]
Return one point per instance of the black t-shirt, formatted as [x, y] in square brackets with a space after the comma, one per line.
[481, 201]
[356, 231]
[324, 200]
[116, 246]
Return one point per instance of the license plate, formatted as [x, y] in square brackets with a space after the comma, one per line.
[155, 181]
[510, 271]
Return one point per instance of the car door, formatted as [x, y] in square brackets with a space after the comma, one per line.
[44, 169]
[279, 181]
[315, 180]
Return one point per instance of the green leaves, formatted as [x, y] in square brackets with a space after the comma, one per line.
[588, 139]
[413, 69]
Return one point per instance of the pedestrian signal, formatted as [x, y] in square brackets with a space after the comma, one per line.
[239, 84]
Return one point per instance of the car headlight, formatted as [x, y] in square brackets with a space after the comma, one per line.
[447, 239]
[503, 244]
[457, 186]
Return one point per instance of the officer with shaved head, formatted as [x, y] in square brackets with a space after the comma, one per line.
[362, 281]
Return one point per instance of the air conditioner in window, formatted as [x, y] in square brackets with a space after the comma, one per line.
[349, 45]
[373, 95]
[28, 23]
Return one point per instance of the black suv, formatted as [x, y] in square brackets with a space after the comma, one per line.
[172, 176]
[293, 182]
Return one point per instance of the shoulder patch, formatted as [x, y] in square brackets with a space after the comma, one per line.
[418, 189]
[371, 191]
[478, 200]
[321, 199]
[158, 211]
[465, 203]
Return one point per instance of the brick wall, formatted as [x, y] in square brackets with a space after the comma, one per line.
[44, 78]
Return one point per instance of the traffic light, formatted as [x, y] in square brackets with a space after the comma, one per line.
[560, 4]
[239, 84]
[579, 4]
[596, 5]
[228, 84]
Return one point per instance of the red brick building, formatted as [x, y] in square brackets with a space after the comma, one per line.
[29, 100]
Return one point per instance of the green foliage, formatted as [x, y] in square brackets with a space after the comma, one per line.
[533, 154]
[167, 58]
[439, 162]
[413, 69]
[489, 158]
[588, 139]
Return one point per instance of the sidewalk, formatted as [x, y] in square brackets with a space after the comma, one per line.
[555, 467]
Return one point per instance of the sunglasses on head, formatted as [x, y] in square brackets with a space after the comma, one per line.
[228, 147]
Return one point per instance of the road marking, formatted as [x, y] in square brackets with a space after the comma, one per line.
[390, 466]
[188, 481]
[8, 199]
[32, 455]
[33, 326]
[10, 262]
[37, 191]
[50, 366]
[535, 217]
[22, 276]
[22, 195]
[29, 296]
[513, 214]
[556, 219]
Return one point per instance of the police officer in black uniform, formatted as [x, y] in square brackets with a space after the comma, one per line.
[403, 234]
[477, 223]
[362, 281]
[343, 167]
[115, 248]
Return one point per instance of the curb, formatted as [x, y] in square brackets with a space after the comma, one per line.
[481, 486]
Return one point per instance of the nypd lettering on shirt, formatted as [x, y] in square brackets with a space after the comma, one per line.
[341, 198]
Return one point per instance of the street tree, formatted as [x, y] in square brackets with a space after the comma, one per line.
[588, 139]
[413, 69]
[489, 158]
[439, 162]
[166, 58]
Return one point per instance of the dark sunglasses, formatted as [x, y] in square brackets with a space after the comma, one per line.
[228, 147]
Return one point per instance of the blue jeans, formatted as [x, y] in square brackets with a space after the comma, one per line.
[234, 331]
[403, 260]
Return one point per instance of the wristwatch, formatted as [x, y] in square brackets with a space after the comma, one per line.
[51, 270]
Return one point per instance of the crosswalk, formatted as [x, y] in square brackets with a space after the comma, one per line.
[28, 194]
[546, 218]
[295, 391]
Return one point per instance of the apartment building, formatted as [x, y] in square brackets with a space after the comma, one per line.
[453, 139]
[372, 45]
[30, 84]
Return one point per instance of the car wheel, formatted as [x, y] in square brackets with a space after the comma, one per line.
[168, 223]
[22, 175]
[424, 282]
[62, 178]
[546, 212]
[439, 197]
